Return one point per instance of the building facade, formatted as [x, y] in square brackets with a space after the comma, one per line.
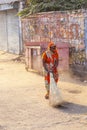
[10, 26]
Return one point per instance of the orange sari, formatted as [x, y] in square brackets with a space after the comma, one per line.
[50, 59]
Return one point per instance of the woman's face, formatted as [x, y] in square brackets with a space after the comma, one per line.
[53, 48]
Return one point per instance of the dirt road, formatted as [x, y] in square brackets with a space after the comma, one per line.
[23, 106]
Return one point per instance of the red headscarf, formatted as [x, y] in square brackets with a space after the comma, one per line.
[51, 44]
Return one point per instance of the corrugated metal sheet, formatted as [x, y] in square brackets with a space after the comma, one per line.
[7, 1]
[3, 31]
[9, 31]
[13, 32]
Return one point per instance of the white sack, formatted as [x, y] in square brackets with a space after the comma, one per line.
[55, 97]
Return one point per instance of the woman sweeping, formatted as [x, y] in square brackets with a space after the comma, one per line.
[50, 60]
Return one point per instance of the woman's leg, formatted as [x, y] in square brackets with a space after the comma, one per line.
[47, 84]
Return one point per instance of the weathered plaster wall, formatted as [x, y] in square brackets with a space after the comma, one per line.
[66, 29]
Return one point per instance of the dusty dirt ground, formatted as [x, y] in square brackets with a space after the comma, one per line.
[22, 102]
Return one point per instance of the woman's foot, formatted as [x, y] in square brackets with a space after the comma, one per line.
[47, 95]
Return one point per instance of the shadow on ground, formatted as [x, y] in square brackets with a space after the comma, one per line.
[72, 108]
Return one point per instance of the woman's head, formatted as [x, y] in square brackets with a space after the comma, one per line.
[52, 46]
